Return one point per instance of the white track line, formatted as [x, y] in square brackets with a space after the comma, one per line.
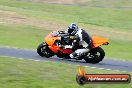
[104, 69]
[37, 60]
[16, 48]
[115, 59]
[64, 63]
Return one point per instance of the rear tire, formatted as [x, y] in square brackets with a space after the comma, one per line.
[96, 55]
[44, 51]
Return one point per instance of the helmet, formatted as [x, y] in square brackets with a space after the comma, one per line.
[72, 29]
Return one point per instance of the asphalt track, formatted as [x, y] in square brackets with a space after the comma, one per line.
[31, 54]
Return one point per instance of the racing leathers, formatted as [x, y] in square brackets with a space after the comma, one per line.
[83, 39]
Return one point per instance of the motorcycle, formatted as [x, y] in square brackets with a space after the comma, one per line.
[53, 45]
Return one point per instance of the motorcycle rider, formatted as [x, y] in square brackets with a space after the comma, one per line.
[82, 38]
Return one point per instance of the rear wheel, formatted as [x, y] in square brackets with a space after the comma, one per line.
[96, 55]
[44, 51]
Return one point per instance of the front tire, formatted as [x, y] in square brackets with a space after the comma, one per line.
[96, 55]
[44, 51]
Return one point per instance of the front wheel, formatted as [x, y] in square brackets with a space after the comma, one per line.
[44, 51]
[95, 55]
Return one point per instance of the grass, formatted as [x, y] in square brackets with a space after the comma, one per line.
[119, 49]
[23, 36]
[108, 22]
[30, 74]
[102, 18]
[111, 3]
[108, 17]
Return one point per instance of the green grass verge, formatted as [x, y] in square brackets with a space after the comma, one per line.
[17, 73]
[111, 3]
[119, 49]
[23, 36]
[106, 19]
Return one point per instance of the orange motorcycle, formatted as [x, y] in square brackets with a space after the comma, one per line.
[53, 45]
